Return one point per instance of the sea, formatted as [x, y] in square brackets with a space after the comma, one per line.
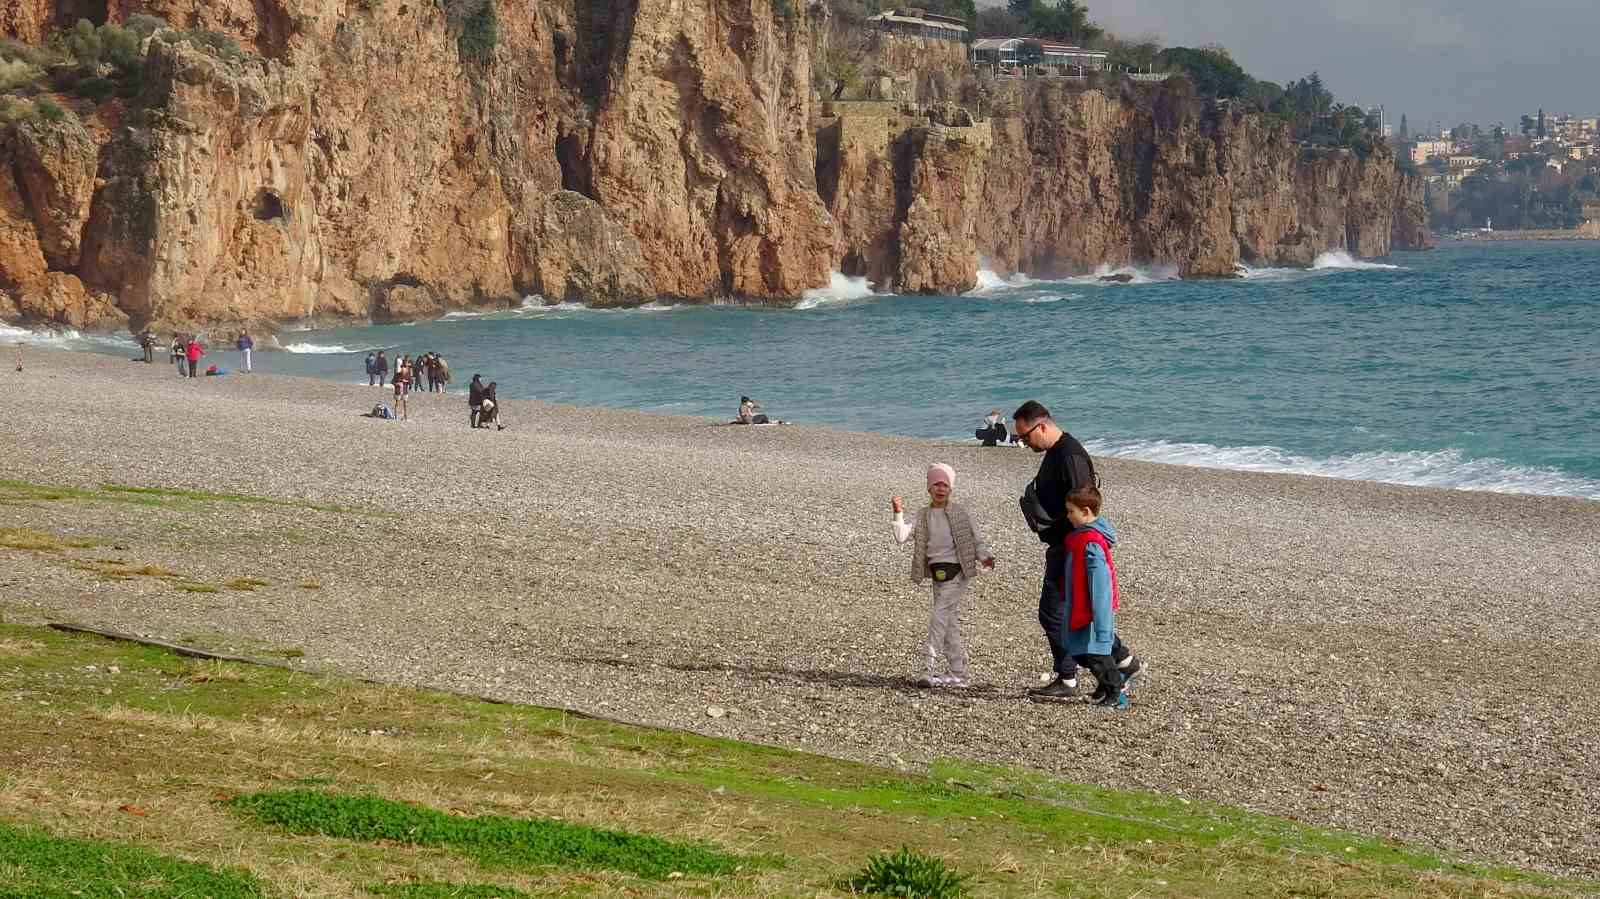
[1473, 366]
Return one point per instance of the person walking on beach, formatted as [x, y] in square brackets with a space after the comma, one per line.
[1066, 467]
[179, 353]
[383, 368]
[474, 400]
[193, 352]
[1092, 597]
[401, 383]
[948, 549]
[147, 342]
[443, 370]
[244, 345]
[372, 370]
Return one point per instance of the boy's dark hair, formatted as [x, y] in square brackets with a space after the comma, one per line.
[1086, 497]
[1030, 412]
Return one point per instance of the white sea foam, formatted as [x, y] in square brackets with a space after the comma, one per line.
[318, 349]
[1126, 274]
[991, 282]
[1341, 259]
[841, 289]
[63, 338]
[1441, 468]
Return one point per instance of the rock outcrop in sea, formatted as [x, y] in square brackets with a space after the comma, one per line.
[366, 159]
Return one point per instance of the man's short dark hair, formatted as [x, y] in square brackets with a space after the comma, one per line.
[1030, 412]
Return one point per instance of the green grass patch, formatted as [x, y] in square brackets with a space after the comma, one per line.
[438, 890]
[909, 875]
[13, 491]
[174, 737]
[35, 864]
[490, 839]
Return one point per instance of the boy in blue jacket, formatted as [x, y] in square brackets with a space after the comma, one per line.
[1092, 596]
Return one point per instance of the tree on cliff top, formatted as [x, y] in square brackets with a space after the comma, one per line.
[1061, 20]
[1212, 70]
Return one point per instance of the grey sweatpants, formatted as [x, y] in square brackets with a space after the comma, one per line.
[944, 627]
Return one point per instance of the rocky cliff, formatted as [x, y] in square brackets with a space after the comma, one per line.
[393, 158]
[1064, 180]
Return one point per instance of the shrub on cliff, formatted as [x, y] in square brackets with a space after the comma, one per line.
[476, 27]
[17, 75]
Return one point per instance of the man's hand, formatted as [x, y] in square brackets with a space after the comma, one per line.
[896, 505]
[989, 563]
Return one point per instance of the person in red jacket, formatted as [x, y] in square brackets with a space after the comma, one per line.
[193, 352]
[1092, 597]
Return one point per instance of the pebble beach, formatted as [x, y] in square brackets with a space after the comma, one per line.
[1407, 662]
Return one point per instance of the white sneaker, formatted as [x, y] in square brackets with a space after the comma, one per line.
[954, 681]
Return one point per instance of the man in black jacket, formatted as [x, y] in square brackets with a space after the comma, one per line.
[1066, 466]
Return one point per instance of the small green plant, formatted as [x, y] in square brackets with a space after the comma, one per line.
[16, 74]
[909, 875]
[50, 111]
[247, 584]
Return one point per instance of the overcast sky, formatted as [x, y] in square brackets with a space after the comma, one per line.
[1445, 61]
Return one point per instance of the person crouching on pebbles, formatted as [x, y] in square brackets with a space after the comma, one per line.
[949, 548]
[1092, 596]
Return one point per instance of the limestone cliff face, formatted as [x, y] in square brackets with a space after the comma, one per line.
[1064, 181]
[354, 163]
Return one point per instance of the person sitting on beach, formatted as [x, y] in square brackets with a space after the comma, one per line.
[750, 413]
[949, 549]
[1092, 596]
[993, 432]
[474, 400]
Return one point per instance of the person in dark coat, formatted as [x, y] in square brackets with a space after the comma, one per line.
[475, 400]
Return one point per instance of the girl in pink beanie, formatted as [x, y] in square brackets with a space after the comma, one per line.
[949, 551]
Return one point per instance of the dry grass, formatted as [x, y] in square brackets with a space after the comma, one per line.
[246, 584]
[31, 540]
[16, 648]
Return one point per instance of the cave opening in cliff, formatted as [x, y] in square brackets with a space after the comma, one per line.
[575, 174]
[269, 206]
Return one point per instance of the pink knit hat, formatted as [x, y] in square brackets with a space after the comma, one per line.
[938, 472]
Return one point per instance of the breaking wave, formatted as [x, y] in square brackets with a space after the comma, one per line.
[841, 289]
[64, 338]
[318, 349]
[1438, 468]
[1340, 259]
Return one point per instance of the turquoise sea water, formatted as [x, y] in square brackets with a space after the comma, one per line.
[1474, 365]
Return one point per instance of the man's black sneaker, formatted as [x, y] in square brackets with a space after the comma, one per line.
[1058, 690]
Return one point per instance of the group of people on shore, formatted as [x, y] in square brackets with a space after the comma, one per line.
[187, 351]
[1078, 596]
[412, 372]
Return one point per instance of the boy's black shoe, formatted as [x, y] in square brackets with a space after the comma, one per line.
[1115, 700]
[1058, 690]
[1130, 668]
